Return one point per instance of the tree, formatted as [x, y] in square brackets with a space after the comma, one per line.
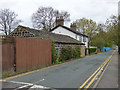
[44, 17]
[65, 14]
[107, 33]
[101, 39]
[112, 29]
[8, 21]
[100, 28]
[86, 26]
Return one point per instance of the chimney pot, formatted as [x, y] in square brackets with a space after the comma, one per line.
[73, 26]
[59, 20]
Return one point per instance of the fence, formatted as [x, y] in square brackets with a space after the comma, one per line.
[32, 53]
[7, 48]
[25, 54]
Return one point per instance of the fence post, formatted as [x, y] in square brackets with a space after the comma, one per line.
[14, 43]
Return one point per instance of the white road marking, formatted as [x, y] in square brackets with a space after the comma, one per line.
[39, 80]
[20, 82]
[22, 87]
[39, 86]
[29, 84]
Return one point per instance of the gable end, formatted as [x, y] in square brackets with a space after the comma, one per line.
[21, 32]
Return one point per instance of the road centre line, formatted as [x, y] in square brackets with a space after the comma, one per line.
[95, 76]
[91, 76]
[101, 76]
[97, 71]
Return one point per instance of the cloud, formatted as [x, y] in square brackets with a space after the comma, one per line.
[98, 10]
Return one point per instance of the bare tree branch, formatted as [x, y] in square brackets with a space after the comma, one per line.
[8, 21]
[44, 17]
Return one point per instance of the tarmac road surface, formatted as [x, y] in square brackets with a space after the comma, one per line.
[69, 75]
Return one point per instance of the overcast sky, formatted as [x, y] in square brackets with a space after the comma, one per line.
[97, 10]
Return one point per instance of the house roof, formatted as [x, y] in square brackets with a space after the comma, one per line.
[51, 36]
[74, 31]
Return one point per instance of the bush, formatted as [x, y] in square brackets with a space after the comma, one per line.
[92, 50]
[74, 53]
[78, 51]
[54, 54]
[57, 62]
[68, 53]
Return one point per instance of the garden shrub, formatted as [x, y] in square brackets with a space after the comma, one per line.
[74, 53]
[54, 54]
[68, 53]
[78, 51]
[92, 50]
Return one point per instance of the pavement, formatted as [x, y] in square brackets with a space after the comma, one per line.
[109, 78]
[68, 75]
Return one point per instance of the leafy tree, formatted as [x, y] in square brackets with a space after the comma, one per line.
[86, 26]
[98, 41]
[102, 39]
[8, 21]
[112, 29]
[44, 17]
[102, 34]
[100, 28]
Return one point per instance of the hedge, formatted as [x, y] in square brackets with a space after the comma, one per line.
[92, 50]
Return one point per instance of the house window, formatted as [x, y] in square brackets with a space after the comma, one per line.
[80, 38]
[84, 39]
[76, 37]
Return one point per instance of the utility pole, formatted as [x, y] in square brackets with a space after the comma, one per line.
[119, 27]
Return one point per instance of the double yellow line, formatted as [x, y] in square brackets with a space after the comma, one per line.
[95, 74]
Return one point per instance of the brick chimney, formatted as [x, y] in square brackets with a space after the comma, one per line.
[59, 20]
[73, 26]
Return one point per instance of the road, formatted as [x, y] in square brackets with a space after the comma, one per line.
[109, 78]
[69, 75]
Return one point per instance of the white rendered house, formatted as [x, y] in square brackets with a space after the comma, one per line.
[63, 30]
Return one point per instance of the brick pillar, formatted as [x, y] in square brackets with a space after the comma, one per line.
[82, 50]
